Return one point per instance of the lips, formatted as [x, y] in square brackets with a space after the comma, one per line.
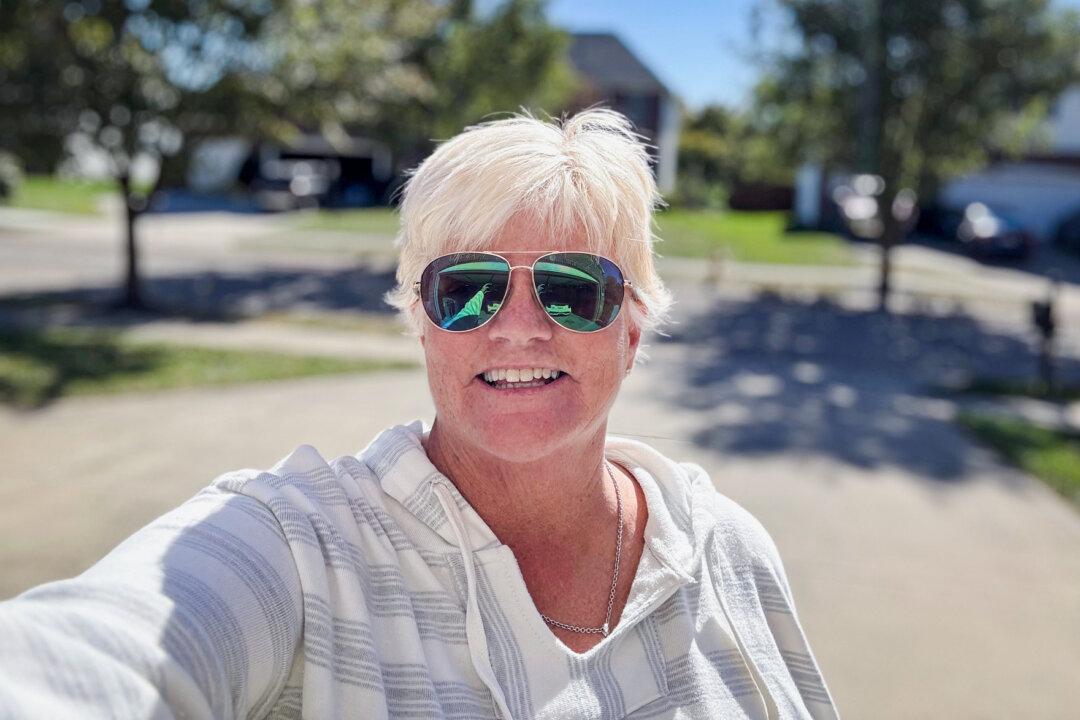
[520, 378]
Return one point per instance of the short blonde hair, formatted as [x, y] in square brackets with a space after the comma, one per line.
[588, 173]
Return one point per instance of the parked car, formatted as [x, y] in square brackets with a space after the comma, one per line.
[981, 231]
[1067, 236]
[987, 233]
[292, 183]
[939, 222]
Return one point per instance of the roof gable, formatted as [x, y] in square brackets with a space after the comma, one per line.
[610, 66]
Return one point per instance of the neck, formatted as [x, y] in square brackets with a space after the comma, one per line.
[541, 502]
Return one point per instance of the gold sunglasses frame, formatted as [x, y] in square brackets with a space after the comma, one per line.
[500, 254]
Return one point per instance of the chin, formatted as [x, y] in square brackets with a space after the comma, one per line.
[525, 434]
[523, 437]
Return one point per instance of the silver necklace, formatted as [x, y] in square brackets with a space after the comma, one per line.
[606, 627]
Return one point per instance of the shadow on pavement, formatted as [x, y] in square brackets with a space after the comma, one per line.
[217, 296]
[1046, 261]
[771, 375]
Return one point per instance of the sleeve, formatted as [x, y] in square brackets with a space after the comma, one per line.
[765, 600]
[197, 615]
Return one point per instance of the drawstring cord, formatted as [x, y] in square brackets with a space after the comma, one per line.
[474, 624]
[771, 710]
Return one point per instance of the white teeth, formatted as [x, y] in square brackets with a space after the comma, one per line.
[520, 375]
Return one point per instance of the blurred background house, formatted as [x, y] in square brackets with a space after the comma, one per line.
[1038, 191]
[612, 76]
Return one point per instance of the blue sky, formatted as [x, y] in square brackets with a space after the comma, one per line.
[700, 49]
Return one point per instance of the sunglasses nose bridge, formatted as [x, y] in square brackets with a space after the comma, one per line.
[520, 313]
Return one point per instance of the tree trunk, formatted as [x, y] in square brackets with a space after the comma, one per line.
[892, 233]
[132, 292]
[885, 280]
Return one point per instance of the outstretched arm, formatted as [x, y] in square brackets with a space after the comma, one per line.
[197, 615]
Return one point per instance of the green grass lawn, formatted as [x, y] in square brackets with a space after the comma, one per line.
[42, 192]
[758, 237]
[1016, 388]
[369, 221]
[1051, 455]
[369, 323]
[37, 367]
[746, 236]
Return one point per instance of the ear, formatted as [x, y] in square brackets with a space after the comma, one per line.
[633, 332]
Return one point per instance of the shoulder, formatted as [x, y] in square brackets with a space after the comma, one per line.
[714, 521]
[303, 478]
[733, 527]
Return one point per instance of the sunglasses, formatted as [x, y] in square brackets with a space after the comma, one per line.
[582, 292]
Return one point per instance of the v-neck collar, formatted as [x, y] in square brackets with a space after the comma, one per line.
[536, 667]
[405, 473]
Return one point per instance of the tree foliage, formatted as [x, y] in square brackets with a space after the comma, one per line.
[405, 72]
[510, 59]
[720, 149]
[145, 79]
[914, 91]
[918, 90]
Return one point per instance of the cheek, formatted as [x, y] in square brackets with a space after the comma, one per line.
[609, 359]
[447, 360]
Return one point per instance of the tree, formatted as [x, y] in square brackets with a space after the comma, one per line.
[913, 92]
[512, 58]
[143, 80]
[720, 149]
[707, 162]
[118, 77]
[478, 65]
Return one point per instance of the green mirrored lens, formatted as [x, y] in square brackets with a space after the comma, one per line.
[580, 291]
[462, 291]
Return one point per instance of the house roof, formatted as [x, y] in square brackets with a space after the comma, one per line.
[610, 66]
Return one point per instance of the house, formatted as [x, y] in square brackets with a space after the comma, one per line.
[1040, 191]
[614, 77]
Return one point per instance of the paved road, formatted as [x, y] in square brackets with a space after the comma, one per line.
[932, 580]
[257, 262]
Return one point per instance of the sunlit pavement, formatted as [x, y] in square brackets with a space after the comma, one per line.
[932, 580]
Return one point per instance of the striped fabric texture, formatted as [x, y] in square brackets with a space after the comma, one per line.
[367, 587]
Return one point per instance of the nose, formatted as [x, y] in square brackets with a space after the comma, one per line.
[520, 319]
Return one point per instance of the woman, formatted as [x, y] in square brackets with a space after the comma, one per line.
[514, 561]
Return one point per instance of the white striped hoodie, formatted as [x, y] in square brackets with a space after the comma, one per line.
[367, 587]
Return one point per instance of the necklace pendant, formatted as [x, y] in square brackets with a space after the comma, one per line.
[605, 629]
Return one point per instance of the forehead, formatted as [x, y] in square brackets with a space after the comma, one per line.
[526, 238]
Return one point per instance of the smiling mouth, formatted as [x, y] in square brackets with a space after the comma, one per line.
[520, 379]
